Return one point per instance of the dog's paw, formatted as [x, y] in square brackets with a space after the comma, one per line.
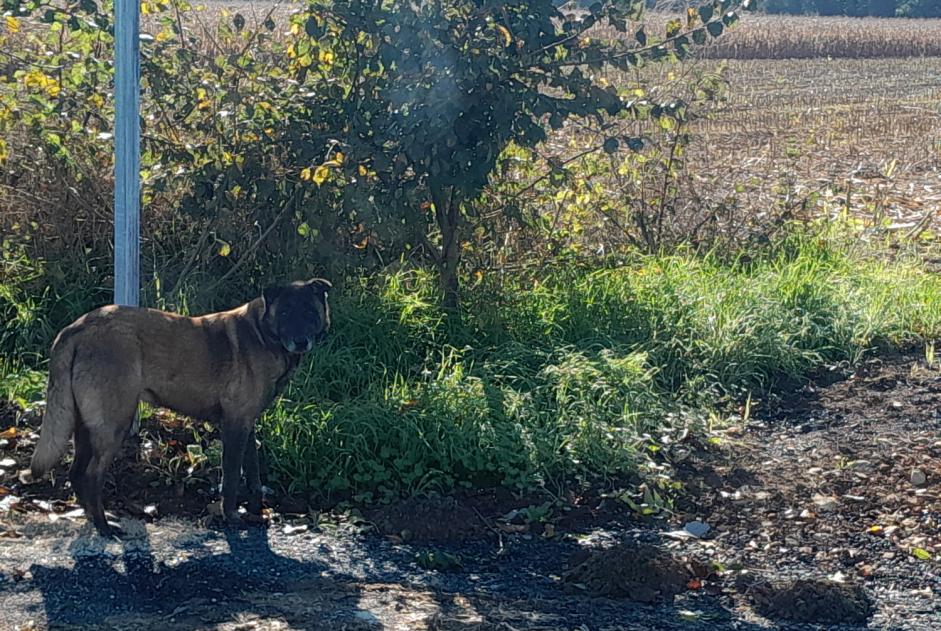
[111, 530]
[255, 520]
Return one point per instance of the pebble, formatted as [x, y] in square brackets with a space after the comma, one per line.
[919, 478]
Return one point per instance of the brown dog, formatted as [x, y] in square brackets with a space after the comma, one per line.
[222, 367]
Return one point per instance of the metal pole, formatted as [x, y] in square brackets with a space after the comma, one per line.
[127, 152]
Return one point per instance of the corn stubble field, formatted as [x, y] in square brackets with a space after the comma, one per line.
[831, 115]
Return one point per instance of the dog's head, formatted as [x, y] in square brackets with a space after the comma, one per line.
[298, 315]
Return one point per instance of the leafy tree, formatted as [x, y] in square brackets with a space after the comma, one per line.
[434, 91]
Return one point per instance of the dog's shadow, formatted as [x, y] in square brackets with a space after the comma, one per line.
[196, 581]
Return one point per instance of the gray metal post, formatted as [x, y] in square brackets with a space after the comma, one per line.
[127, 152]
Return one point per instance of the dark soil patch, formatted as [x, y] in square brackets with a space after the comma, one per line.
[638, 572]
[819, 602]
[427, 520]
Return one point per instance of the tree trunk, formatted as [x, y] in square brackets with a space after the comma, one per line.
[448, 217]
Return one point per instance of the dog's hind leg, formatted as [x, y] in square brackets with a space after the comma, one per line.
[107, 402]
[78, 474]
[105, 451]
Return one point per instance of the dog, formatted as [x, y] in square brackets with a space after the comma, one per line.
[224, 368]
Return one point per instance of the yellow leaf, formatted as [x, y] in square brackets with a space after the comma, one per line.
[362, 170]
[320, 175]
[339, 157]
[13, 25]
[295, 29]
[507, 38]
[305, 173]
[326, 57]
[225, 249]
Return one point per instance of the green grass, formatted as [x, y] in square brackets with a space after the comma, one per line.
[578, 372]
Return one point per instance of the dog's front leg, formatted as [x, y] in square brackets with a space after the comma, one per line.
[252, 475]
[235, 435]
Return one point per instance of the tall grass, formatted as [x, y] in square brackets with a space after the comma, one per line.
[577, 372]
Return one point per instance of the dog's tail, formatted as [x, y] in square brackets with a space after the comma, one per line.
[58, 421]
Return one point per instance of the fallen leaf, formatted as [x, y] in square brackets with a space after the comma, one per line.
[694, 583]
[921, 553]
[8, 433]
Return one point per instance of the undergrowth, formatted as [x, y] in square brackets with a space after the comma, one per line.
[580, 371]
[577, 373]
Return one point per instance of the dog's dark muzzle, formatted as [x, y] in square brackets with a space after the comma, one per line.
[303, 344]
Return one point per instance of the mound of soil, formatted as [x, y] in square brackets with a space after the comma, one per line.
[427, 520]
[812, 601]
[639, 572]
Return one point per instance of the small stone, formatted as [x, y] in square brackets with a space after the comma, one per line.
[919, 478]
[826, 502]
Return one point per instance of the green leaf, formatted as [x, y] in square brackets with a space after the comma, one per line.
[674, 27]
[921, 553]
[635, 144]
[715, 28]
[641, 37]
[238, 21]
[312, 27]
[610, 145]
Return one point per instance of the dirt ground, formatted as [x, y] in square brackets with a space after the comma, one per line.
[823, 511]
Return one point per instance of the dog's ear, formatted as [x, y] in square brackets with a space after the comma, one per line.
[270, 295]
[320, 284]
